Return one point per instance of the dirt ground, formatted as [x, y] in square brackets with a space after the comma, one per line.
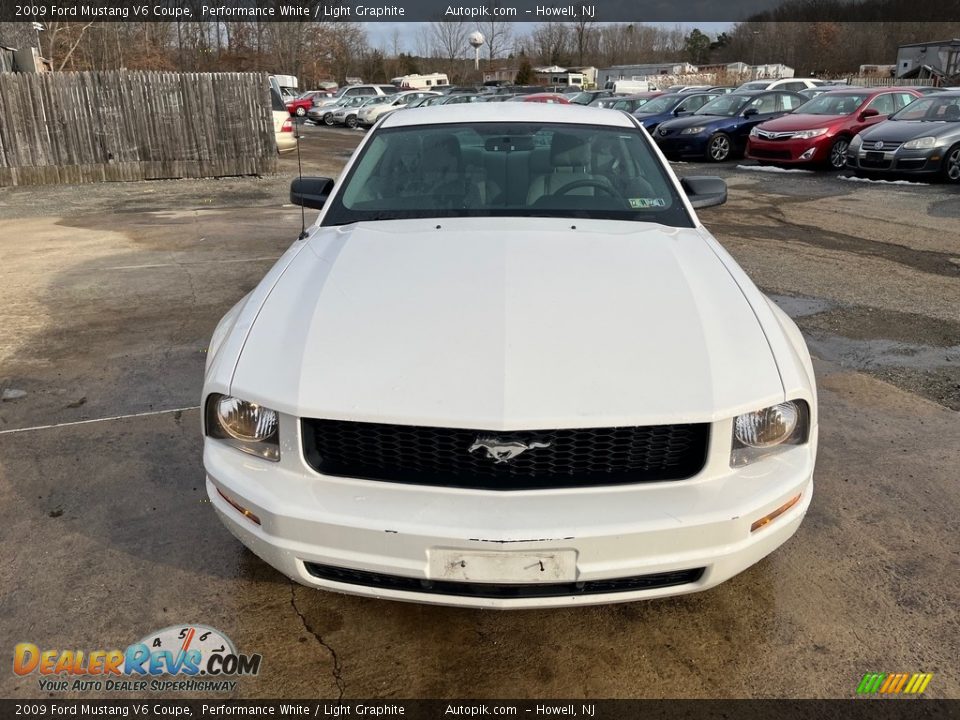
[108, 296]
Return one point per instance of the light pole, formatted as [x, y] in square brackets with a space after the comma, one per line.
[753, 57]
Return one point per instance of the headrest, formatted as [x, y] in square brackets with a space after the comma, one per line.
[441, 152]
[569, 151]
[951, 112]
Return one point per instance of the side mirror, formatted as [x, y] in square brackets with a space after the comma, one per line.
[869, 113]
[750, 111]
[311, 192]
[704, 191]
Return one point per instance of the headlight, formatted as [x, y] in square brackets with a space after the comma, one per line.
[764, 432]
[755, 131]
[855, 143]
[244, 425]
[920, 143]
[807, 134]
[693, 130]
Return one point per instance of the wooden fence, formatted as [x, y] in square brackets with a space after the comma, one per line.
[64, 128]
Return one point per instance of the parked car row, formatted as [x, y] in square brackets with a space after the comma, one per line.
[870, 131]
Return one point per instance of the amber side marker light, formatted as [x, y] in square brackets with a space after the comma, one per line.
[240, 508]
[767, 519]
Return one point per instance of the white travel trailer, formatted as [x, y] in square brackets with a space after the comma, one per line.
[420, 82]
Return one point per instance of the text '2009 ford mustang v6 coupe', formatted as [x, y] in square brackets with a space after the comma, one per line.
[509, 367]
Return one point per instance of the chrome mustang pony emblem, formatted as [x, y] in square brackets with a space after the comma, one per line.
[501, 451]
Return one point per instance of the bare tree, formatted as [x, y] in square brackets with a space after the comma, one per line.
[496, 35]
[550, 43]
[450, 39]
[584, 39]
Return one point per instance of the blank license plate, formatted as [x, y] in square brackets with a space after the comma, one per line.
[503, 567]
[875, 156]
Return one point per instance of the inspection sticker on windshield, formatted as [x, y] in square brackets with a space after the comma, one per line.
[647, 202]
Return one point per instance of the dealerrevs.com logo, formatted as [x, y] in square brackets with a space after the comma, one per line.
[186, 658]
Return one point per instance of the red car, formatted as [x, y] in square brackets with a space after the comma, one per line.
[299, 106]
[545, 98]
[819, 131]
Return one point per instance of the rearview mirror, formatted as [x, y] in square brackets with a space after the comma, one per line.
[869, 113]
[310, 192]
[704, 191]
[750, 111]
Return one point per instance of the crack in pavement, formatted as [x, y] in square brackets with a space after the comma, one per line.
[337, 666]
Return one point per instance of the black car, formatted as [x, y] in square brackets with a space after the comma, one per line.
[921, 139]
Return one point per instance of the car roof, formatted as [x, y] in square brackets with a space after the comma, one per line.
[473, 113]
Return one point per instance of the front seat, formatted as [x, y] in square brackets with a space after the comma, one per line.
[569, 162]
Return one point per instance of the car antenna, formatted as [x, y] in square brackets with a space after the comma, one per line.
[303, 212]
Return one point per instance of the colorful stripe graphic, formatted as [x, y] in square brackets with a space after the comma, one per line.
[894, 683]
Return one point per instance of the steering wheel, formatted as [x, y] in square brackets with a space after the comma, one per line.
[603, 185]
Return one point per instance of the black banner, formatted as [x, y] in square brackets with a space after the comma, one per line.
[856, 709]
[452, 10]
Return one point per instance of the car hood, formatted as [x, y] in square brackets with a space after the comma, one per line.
[802, 121]
[508, 323]
[903, 130]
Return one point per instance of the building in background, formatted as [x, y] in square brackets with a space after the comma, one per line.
[607, 76]
[938, 60]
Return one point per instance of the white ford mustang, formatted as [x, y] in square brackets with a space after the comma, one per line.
[508, 367]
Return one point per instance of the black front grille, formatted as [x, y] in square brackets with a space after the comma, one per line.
[770, 154]
[875, 163]
[556, 458]
[503, 590]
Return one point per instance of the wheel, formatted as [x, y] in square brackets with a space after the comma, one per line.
[301, 111]
[837, 159]
[351, 121]
[328, 118]
[718, 147]
[951, 164]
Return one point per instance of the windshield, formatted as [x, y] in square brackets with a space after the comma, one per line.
[377, 100]
[728, 105]
[755, 85]
[583, 98]
[827, 104]
[660, 104]
[508, 169]
[931, 108]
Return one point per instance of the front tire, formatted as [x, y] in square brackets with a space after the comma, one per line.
[301, 111]
[328, 119]
[951, 165]
[719, 147]
[351, 121]
[837, 159]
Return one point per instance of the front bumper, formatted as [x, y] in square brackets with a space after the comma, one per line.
[376, 538]
[683, 145]
[814, 150]
[896, 162]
